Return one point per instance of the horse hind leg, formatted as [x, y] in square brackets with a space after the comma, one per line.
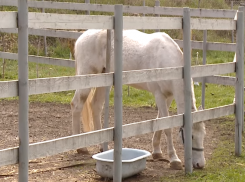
[77, 104]
[96, 107]
[162, 111]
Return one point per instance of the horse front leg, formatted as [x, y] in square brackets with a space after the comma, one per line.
[163, 105]
[175, 162]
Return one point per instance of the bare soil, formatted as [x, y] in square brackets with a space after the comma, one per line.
[51, 120]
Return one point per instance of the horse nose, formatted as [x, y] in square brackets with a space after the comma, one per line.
[198, 166]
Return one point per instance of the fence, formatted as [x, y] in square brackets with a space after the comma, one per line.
[23, 87]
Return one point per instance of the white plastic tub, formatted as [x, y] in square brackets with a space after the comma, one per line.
[133, 162]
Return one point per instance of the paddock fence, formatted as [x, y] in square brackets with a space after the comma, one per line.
[24, 87]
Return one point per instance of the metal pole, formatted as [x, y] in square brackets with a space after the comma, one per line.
[118, 42]
[87, 1]
[157, 4]
[241, 8]
[45, 39]
[239, 83]
[204, 62]
[232, 32]
[107, 92]
[23, 89]
[187, 90]
[144, 13]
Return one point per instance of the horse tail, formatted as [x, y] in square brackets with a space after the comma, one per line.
[86, 115]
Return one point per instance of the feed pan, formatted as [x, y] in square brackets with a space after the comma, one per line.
[133, 162]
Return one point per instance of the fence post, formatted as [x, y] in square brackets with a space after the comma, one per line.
[187, 90]
[118, 31]
[144, 13]
[232, 32]
[204, 62]
[23, 89]
[45, 39]
[241, 8]
[107, 92]
[157, 4]
[87, 1]
[239, 83]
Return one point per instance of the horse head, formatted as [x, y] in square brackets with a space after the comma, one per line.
[198, 134]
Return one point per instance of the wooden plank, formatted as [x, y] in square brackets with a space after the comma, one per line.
[151, 75]
[67, 21]
[58, 84]
[9, 156]
[212, 24]
[213, 113]
[52, 147]
[64, 144]
[211, 13]
[221, 80]
[8, 89]
[55, 146]
[52, 61]
[211, 46]
[133, 22]
[212, 69]
[152, 125]
[8, 19]
[40, 59]
[9, 3]
[46, 32]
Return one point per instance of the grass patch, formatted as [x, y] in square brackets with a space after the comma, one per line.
[223, 165]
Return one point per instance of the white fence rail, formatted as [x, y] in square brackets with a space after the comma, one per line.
[67, 21]
[209, 13]
[64, 144]
[58, 84]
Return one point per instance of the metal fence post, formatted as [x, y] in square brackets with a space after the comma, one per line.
[187, 90]
[107, 92]
[87, 1]
[23, 89]
[204, 62]
[118, 42]
[241, 8]
[157, 4]
[144, 13]
[232, 32]
[239, 83]
[45, 39]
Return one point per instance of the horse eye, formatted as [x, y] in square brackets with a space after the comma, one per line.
[192, 137]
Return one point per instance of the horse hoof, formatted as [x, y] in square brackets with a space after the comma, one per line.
[157, 156]
[82, 151]
[177, 165]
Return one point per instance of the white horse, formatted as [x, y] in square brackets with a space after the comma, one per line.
[140, 51]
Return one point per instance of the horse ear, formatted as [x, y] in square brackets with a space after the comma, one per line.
[200, 108]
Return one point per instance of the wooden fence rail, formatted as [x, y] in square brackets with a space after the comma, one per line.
[209, 13]
[64, 144]
[58, 84]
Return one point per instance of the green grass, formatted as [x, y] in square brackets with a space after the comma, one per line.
[223, 166]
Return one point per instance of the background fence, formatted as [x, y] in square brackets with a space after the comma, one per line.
[49, 44]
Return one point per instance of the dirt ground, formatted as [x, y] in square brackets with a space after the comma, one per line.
[50, 120]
